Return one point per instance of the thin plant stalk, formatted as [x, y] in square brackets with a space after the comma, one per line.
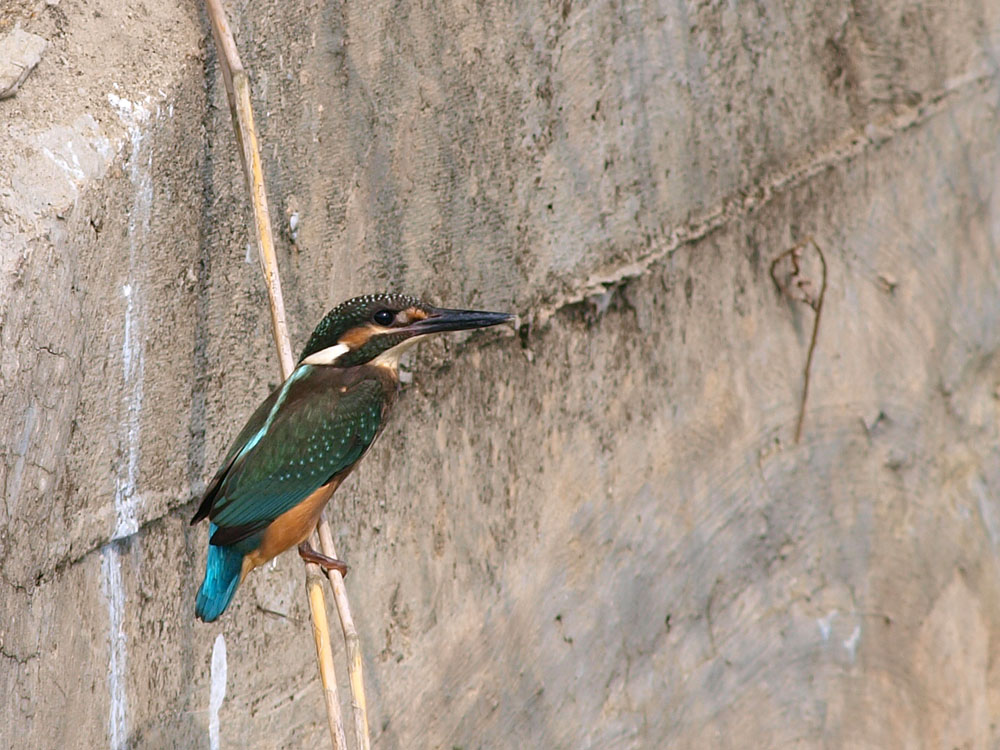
[237, 85]
[359, 707]
[324, 654]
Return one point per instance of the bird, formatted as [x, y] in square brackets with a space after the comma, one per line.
[307, 436]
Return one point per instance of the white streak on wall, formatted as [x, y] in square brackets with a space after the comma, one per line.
[114, 592]
[217, 691]
[127, 498]
[826, 624]
[133, 344]
[73, 170]
[851, 643]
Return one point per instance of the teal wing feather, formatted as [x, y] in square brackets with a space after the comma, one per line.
[243, 441]
[314, 435]
[257, 420]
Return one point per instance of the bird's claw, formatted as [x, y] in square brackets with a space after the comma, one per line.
[308, 554]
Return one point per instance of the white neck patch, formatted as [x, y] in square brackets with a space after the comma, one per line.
[327, 356]
[390, 357]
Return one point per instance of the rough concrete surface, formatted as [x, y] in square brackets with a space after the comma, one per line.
[20, 52]
[599, 532]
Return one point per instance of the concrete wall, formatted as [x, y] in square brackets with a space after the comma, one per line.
[598, 533]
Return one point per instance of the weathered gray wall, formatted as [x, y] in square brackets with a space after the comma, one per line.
[598, 533]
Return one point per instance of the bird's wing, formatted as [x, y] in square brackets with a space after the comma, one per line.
[240, 445]
[309, 435]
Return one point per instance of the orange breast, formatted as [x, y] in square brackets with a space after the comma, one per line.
[292, 527]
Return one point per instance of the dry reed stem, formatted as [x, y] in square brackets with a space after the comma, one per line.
[324, 653]
[238, 94]
[359, 706]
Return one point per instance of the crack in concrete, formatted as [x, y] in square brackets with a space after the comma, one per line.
[21, 660]
[14, 584]
[54, 352]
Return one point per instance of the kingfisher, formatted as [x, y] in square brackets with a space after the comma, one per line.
[309, 434]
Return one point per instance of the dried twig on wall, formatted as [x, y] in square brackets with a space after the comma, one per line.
[792, 281]
[238, 93]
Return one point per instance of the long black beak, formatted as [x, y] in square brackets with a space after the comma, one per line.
[439, 320]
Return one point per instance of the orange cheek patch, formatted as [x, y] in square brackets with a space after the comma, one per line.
[414, 313]
[358, 337]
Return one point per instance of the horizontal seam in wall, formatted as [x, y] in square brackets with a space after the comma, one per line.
[747, 202]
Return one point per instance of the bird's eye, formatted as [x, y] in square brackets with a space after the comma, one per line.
[384, 317]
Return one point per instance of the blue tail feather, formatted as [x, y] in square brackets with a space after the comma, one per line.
[222, 576]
